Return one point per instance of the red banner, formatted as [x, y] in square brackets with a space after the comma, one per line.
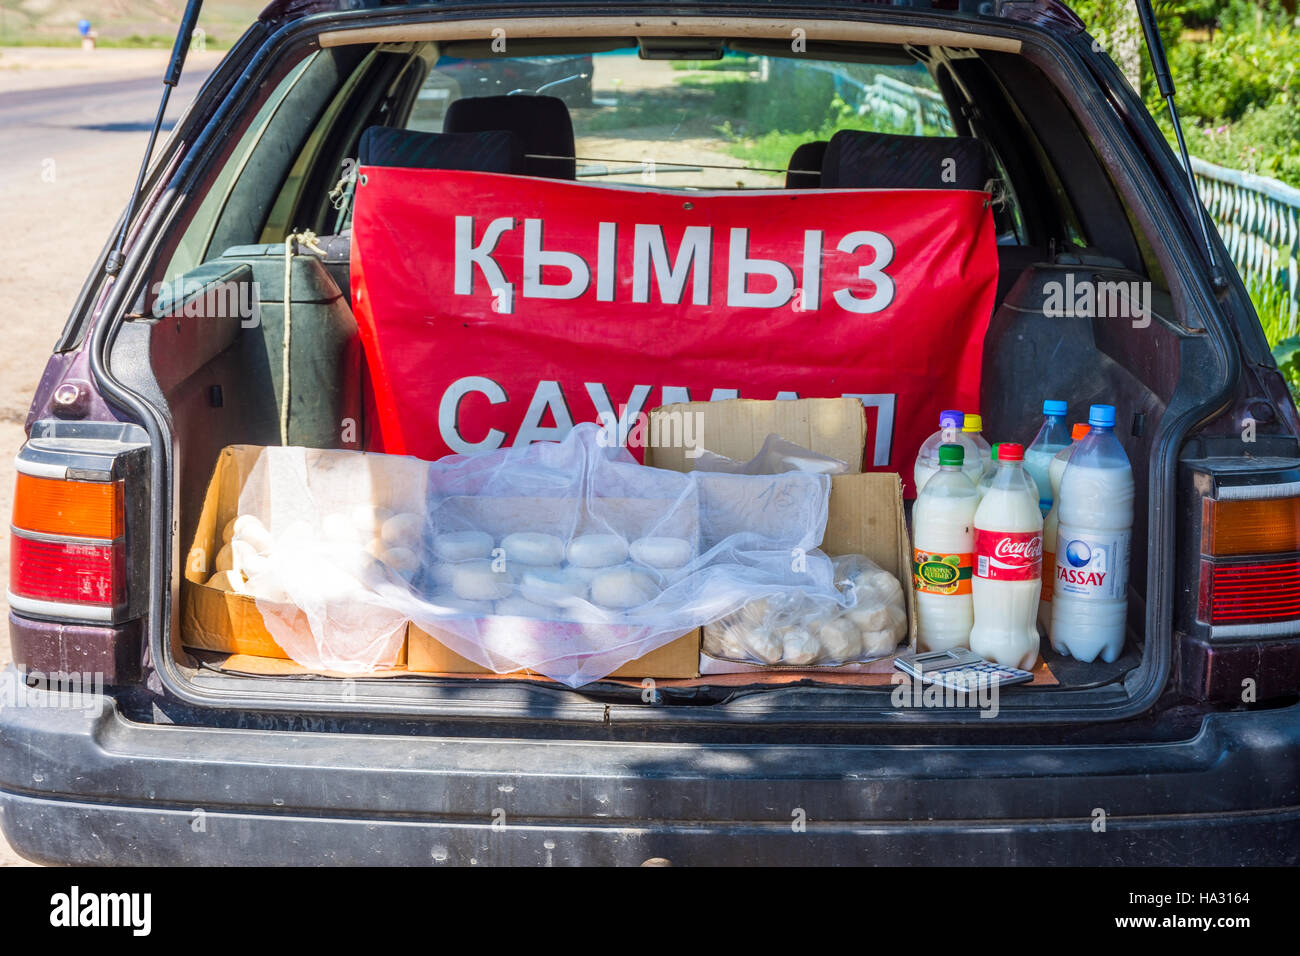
[498, 310]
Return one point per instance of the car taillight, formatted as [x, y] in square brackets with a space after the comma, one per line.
[66, 547]
[1250, 561]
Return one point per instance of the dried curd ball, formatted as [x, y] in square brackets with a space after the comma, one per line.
[369, 518]
[227, 581]
[402, 560]
[799, 647]
[249, 528]
[403, 530]
[840, 640]
[761, 644]
[597, 550]
[533, 547]
[663, 553]
[480, 581]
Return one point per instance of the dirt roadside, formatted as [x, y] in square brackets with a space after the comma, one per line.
[69, 163]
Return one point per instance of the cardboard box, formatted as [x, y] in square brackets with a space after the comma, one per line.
[865, 510]
[680, 658]
[217, 620]
[737, 427]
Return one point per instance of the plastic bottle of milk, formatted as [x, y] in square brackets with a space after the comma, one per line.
[1008, 566]
[987, 481]
[943, 535]
[1094, 540]
[1054, 473]
[972, 428]
[1051, 438]
[950, 432]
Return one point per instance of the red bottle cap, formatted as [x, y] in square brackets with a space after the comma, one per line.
[1080, 429]
[1011, 451]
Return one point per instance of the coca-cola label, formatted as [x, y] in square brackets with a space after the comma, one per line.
[1008, 555]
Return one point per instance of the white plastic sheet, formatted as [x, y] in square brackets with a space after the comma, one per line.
[355, 542]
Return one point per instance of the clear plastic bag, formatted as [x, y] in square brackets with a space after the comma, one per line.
[794, 629]
[569, 559]
[777, 456]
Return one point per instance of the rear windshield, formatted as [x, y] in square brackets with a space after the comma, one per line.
[702, 124]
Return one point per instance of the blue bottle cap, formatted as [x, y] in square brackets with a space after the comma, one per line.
[952, 419]
[1055, 407]
[1101, 416]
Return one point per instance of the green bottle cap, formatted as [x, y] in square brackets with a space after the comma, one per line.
[951, 455]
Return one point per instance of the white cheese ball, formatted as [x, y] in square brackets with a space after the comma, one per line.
[463, 545]
[553, 587]
[226, 558]
[596, 551]
[799, 647]
[533, 548]
[753, 614]
[228, 532]
[723, 641]
[441, 573]
[402, 560]
[478, 581]
[665, 554]
[869, 615]
[227, 581]
[841, 641]
[762, 645]
[403, 530]
[368, 519]
[246, 558]
[878, 643]
[623, 588]
[337, 526]
[879, 586]
[249, 529]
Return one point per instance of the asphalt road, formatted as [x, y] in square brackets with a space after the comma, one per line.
[72, 133]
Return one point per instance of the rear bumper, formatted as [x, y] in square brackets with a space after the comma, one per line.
[79, 787]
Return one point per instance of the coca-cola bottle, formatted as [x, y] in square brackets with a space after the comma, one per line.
[1008, 566]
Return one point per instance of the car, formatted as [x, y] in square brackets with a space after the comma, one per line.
[120, 733]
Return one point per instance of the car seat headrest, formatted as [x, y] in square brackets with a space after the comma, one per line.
[804, 171]
[493, 151]
[856, 159]
[542, 124]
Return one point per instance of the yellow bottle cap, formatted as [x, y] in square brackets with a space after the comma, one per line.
[973, 423]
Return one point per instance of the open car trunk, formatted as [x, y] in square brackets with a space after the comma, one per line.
[1064, 215]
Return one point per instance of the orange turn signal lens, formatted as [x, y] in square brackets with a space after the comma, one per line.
[1250, 526]
[85, 509]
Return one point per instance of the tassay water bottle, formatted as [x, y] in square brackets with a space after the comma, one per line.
[1094, 542]
[950, 432]
[1052, 436]
[1008, 566]
[1050, 523]
[943, 535]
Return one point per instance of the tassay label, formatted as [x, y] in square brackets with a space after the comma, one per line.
[1008, 555]
[937, 573]
[1092, 565]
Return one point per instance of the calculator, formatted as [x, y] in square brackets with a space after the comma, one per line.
[959, 668]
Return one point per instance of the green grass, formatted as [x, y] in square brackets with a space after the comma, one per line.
[1273, 309]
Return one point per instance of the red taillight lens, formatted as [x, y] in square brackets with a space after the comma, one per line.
[1250, 561]
[1255, 591]
[66, 547]
[67, 572]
